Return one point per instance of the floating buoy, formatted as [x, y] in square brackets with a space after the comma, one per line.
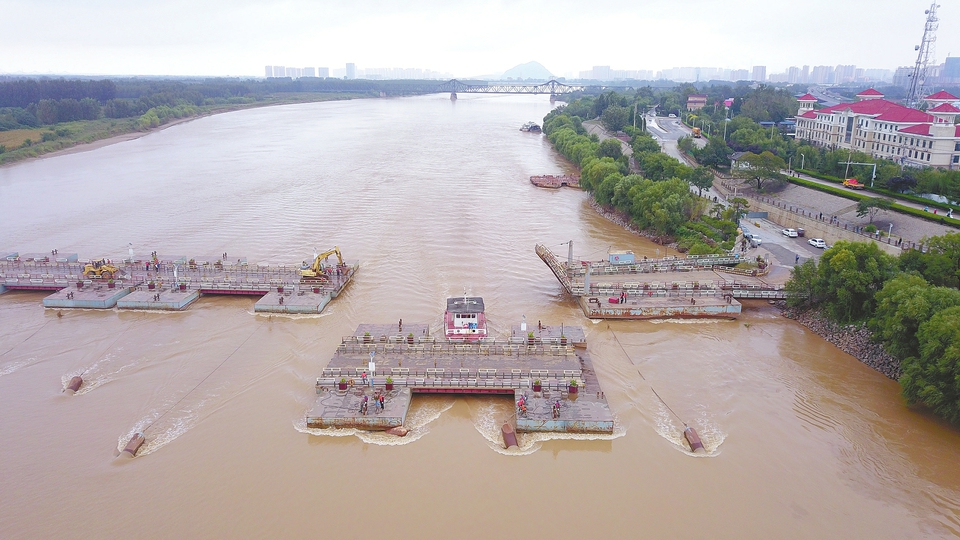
[693, 439]
[509, 437]
[399, 431]
[135, 443]
[75, 383]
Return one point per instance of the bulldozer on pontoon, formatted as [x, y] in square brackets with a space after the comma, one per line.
[101, 269]
[318, 272]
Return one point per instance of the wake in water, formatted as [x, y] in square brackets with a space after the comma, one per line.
[294, 316]
[710, 433]
[686, 321]
[489, 415]
[159, 435]
[14, 366]
[421, 414]
[102, 372]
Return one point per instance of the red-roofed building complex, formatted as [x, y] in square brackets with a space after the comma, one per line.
[886, 129]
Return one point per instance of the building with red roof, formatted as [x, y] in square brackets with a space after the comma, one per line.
[888, 130]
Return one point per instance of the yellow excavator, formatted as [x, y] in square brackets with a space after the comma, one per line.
[316, 272]
[101, 269]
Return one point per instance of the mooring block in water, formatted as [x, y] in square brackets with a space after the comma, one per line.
[509, 436]
[693, 439]
[75, 383]
[135, 443]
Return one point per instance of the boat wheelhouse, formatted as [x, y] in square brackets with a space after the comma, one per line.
[530, 127]
[464, 319]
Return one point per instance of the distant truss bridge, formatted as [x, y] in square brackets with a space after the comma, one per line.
[551, 87]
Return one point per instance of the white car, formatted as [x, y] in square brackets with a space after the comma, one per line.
[754, 239]
[792, 233]
[817, 243]
[672, 115]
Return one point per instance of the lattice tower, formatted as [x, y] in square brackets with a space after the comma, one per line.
[925, 57]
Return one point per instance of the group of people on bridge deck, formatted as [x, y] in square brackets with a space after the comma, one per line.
[378, 403]
[522, 407]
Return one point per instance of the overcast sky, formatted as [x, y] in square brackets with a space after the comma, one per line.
[240, 37]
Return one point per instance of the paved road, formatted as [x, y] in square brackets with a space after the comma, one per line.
[667, 131]
[783, 248]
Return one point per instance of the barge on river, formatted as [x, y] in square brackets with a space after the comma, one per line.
[542, 365]
[173, 282]
[623, 287]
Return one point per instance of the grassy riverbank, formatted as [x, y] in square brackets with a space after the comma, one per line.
[24, 144]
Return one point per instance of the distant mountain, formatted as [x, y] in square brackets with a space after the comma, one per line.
[530, 70]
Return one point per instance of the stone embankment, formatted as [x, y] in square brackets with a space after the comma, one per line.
[855, 340]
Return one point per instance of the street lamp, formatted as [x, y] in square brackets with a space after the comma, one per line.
[802, 157]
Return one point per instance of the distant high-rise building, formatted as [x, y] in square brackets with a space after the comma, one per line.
[882, 75]
[293, 73]
[323, 72]
[602, 73]
[308, 72]
[279, 71]
[805, 75]
[739, 75]
[351, 72]
[793, 75]
[268, 71]
[901, 77]
[951, 70]
[845, 74]
[759, 73]
[821, 75]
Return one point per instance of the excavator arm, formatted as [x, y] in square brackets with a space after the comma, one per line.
[315, 271]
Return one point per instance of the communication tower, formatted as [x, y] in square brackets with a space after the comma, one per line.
[925, 55]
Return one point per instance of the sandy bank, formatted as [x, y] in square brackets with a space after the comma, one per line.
[100, 143]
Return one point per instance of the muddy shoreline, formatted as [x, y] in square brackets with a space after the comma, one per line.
[132, 135]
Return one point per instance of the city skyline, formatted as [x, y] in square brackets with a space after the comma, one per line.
[465, 38]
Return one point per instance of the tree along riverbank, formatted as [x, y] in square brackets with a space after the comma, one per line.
[83, 135]
[659, 202]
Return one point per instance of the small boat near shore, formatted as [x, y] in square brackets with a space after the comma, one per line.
[530, 127]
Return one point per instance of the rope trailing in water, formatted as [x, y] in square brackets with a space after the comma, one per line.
[205, 378]
[645, 379]
[28, 337]
[113, 343]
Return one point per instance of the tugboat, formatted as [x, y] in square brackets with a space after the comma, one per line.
[464, 319]
[530, 127]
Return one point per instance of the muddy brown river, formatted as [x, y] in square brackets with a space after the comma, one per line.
[433, 198]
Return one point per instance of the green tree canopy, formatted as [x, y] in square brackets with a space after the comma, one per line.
[610, 148]
[933, 378]
[872, 206]
[615, 117]
[849, 276]
[906, 302]
[701, 178]
[761, 168]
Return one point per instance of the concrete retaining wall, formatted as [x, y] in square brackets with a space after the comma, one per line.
[814, 227]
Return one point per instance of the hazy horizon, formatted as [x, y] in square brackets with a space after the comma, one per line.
[237, 39]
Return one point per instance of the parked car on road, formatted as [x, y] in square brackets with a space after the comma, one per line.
[817, 242]
[754, 239]
[792, 233]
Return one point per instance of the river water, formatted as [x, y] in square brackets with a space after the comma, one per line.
[432, 197]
